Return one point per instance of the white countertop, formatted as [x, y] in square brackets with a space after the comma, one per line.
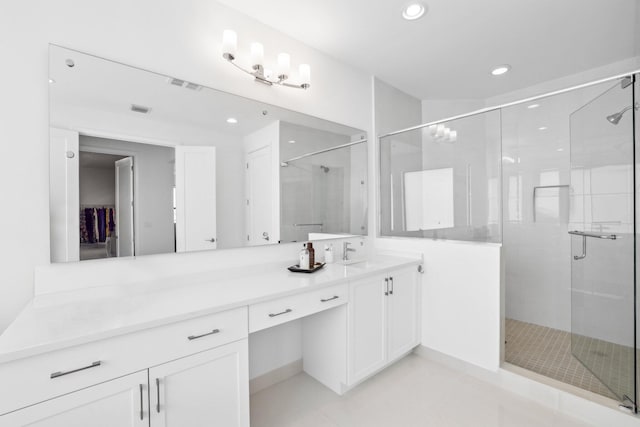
[64, 319]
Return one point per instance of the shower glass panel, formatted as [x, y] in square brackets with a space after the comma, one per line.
[443, 181]
[602, 231]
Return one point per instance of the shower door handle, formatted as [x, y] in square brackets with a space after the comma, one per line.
[584, 241]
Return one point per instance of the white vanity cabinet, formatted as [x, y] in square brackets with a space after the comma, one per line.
[207, 389]
[383, 321]
[198, 368]
[121, 402]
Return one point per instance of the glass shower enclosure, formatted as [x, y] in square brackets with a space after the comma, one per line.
[602, 226]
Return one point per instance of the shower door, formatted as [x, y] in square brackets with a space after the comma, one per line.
[603, 240]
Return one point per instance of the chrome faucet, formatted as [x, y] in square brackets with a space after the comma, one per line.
[345, 250]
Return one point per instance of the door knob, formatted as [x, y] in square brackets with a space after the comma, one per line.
[265, 236]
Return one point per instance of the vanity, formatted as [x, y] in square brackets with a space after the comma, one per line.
[176, 352]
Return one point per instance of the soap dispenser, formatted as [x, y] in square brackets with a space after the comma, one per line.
[328, 253]
[304, 258]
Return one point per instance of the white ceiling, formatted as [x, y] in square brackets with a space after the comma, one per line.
[450, 51]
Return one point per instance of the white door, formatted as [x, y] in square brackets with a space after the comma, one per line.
[122, 402]
[124, 207]
[260, 198]
[402, 312]
[367, 327]
[64, 195]
[204, 390]
[195, 198]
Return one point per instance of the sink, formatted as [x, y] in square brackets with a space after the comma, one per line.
[362, 264]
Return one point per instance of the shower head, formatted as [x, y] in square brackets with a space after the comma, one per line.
[615, 118]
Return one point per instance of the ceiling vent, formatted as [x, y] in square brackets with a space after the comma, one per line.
[176, 82]
[193, 86]
[140, 109]
[183, 83]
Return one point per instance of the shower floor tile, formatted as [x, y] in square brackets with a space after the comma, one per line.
[547, 351]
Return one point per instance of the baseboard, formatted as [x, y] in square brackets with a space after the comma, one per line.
[568, 400]
[274, 377]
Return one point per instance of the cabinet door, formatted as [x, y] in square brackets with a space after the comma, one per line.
[367, 327]
[403, 312]
[203, 390]
[121, 402]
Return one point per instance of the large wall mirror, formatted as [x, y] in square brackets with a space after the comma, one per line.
[144, 163]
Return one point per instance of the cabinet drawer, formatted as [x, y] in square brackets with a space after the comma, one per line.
[272, 313]
[34, 379]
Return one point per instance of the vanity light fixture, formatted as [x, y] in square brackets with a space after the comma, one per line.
[232, 120]
[292, 142]
[260, 74]
[413, 11]
[501, 69]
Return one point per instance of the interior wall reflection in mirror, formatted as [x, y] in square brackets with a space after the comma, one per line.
[143, 163]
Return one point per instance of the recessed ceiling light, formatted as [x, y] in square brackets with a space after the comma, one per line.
[560, 149]
[532, 106]
[292, 142]
[501, 69]
[232, 120]
[413, 11]
[542, 128]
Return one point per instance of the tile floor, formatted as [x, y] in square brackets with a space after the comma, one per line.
[547, 351]
[413, 392]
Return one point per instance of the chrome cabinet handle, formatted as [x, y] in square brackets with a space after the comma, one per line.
[386, 286]
[195, 337]
[63, 373]
[158, 395]
[212, 240]
[141, 404]
[288, 310]
[391, 280]
[330, 299]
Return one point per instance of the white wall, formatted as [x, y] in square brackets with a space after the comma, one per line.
[97, 186]
[180, 41]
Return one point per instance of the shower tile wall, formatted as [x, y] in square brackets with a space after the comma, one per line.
[536, 153]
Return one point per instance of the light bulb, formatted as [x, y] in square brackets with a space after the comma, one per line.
[229, 44]
[284, 66]
[257, 56]
[305, 76]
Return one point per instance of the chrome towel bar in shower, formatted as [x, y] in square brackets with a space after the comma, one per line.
[584, 236]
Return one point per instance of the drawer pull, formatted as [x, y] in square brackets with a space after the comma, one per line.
[141, 403]
[391, 281]
[195, 337]
[330, 299]
[288, 310]
[158, 395]
[61, 374]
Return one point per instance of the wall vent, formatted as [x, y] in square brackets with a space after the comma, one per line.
[140, 109]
